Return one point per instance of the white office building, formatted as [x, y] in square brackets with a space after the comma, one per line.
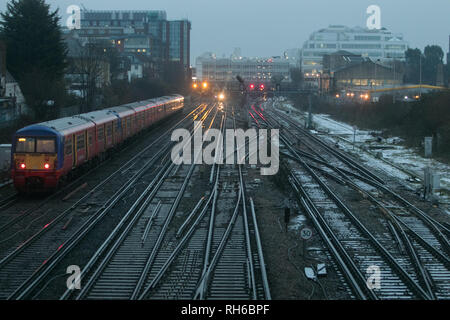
[379, 45]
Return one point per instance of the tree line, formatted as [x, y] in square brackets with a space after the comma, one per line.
[424, 67]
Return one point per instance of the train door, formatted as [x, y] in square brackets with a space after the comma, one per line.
[119, 129]
[91, 133]
[74, 151]
[86, 143]
[114, 123]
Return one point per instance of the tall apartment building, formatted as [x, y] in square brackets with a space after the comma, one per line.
[379, 45]
[179, 42]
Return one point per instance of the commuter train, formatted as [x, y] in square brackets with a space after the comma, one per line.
[45, 154]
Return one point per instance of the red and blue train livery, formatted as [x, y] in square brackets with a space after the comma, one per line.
[46, 153]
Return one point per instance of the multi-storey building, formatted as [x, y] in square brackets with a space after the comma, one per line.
[133, 43]
[378, 45]
[179, 42]
[145, 32]
[293, 55]
[252, 70]
[137, 20]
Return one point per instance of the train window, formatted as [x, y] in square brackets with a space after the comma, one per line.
[90, 138]
[108, 129]
[80, 142]
[25, 144]
[128, 123]
[45, 145]
[100, 132]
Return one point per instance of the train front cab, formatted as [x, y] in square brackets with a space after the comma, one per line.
[36, 159]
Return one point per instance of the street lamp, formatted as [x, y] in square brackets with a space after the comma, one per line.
[420, 75]
[393, 85]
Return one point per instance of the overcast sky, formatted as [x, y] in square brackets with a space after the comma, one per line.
[268, 27]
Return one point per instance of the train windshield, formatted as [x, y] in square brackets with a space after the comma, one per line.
[32, 145]
[25, 145]
[45, 145]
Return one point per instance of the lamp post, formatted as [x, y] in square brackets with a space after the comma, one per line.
[420, 76]
[393, 85]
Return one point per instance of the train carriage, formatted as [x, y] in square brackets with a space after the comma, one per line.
[128, 119]
[44, 153]
[108, 129]
[175, 103]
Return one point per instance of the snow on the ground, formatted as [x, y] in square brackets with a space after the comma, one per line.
[297, 222]
[394, 156]
[399, 155]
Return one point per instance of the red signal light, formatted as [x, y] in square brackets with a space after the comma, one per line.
[261, 87]
[46, 166]
[252, 86]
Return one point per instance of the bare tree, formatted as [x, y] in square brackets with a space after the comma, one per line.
[90, 67]
[296, 77]
[276, 80]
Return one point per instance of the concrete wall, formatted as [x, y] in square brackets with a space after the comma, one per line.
[5, 157]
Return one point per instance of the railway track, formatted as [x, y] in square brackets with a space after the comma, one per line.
[191, 260]
[440, 231]
[408, 269]
[139, 242]
[45, 249]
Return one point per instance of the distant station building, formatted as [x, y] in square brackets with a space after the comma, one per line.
[365, 75]
[382, 45]
[343, 70]
[257, 71]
